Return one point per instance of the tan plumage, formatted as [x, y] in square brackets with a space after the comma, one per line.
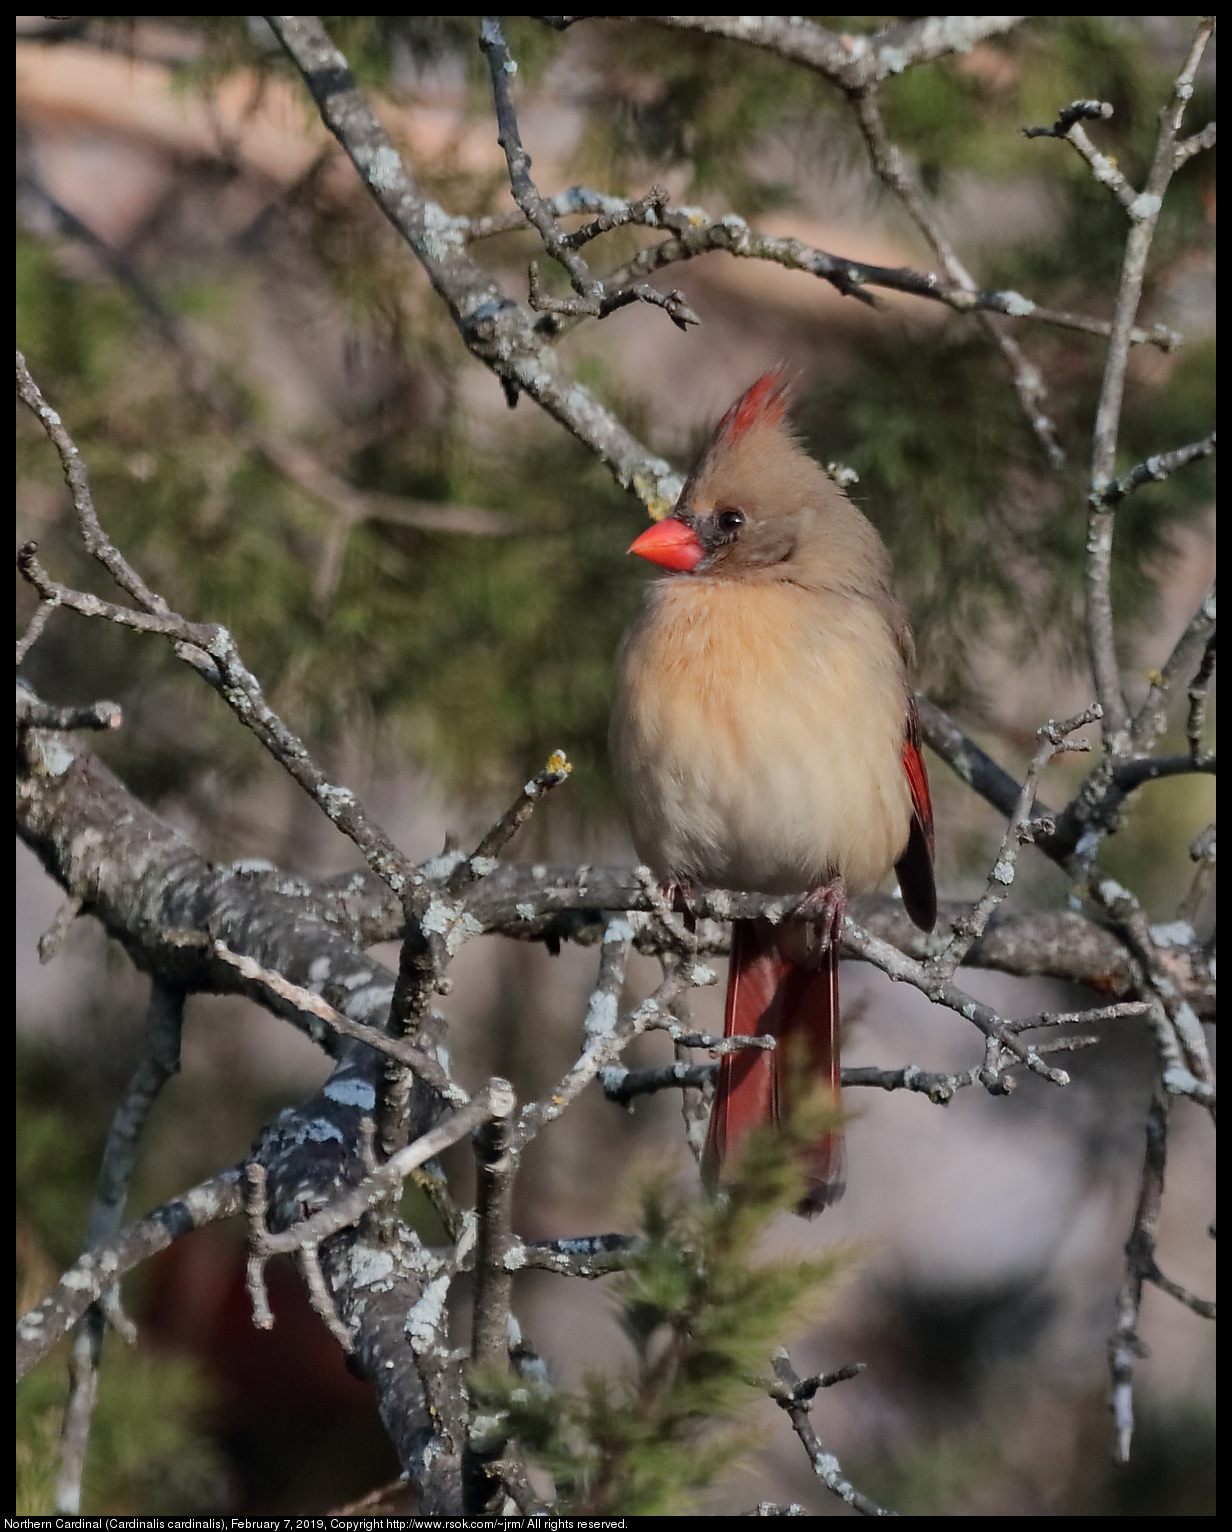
[764, 739]
[757, 726]
[758, 734]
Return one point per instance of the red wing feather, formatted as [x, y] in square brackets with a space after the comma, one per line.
[921, 798]
[915, 866]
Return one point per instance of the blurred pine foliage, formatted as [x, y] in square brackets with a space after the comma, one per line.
[703, 1311]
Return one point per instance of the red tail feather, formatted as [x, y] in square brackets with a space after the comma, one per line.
[772, 995]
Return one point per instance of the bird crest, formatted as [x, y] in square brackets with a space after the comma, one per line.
[764, 403]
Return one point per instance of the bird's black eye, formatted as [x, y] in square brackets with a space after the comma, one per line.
[730, 521]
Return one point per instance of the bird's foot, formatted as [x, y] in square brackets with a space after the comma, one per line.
[825, 908]
[669, 896]
[678, 896]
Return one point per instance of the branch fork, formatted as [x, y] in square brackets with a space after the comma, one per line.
[593, 299]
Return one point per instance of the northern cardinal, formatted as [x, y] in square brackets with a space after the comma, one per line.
[765, 739]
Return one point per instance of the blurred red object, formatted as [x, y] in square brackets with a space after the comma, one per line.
[299, 1429]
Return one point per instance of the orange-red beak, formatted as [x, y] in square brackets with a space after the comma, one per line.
[670, 544]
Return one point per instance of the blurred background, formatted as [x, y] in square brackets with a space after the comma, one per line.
[285, 434]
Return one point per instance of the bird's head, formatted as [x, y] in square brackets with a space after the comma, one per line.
[755, 501]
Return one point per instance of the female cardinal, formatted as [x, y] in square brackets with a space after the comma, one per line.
[765, 739]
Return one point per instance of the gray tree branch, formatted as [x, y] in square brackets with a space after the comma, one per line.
[86, 1281]
[1156, 468]
[852, 61]
[1124, 1345]
[793, 1396]
[594, 298]
[694, 233]
[498, 331]
[1143, 211]
[159, 1062]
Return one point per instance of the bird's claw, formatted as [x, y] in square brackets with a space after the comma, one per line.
[668, 897]
[825, 908]
[678, 897]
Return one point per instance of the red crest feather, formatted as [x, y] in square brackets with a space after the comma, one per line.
[764, 403]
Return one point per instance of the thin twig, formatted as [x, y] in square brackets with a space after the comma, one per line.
[693, 233]
[1067, 1045]
[1202, 851]
[889, 164]
[941, 991]
[939, 1088]
[1029, 386]
[496, 1165]
[502, 67]
[1050, 738]
[1095, 808]
[52, 939]
[159, 1062]
[319, 1297]
[256, 1205]
[622, 1086]
[165, 624]
[576, 199]
[426, 1067]
[32, 713]
[793, 1396]
[212, 653]
[593, 298]
[1143, 212]
[1102, 166]
[1154, 470]
[1151, 719]
[715, 1045]
[1185, 1058]
[1124, 1344]
[1188, 147]
[483, 859]
[801, 1390]
[96, 542]
[641, 210]
[1123, 1010]
[589, 1255]
[975, 766]
[34, 629]
[89, 1277]
[1195, 724]
[674, 303]
[1080, 111]
[79, 1412]
[607, 1034]
[852, 61]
